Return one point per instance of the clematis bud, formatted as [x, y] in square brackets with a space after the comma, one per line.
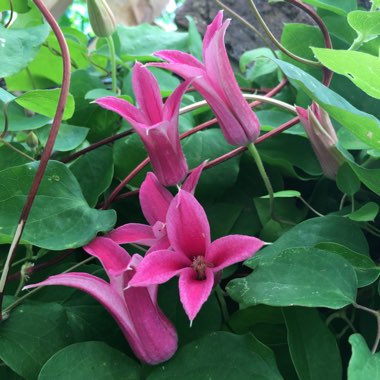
[323, 138]
[32, 140]
[102, 20]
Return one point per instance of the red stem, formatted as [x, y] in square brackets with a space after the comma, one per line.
[327, 74]
[49, 145]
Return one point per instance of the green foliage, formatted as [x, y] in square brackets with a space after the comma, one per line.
[287, 312]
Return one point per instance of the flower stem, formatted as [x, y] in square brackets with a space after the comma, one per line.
[256, 156]
[111, 46]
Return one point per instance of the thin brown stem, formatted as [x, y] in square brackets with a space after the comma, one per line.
[18, 151]
[327, 74]
[48, 148]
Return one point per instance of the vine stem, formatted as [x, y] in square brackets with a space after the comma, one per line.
[276, 42]
[48, 148]
[376, 314]
[327, 74]
[11, 15]
[111, 46]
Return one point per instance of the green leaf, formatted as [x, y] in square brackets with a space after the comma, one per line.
[60, 217]
[366, 24]
[18, 121]
[364, 126]
[298, 38]
[370, 177]
[312, 343]
[221, 356]
[195, 39]
[31, 335]
[285, 194]
[69, 136]
[337, 6]
[9, 157]
[145, 39]
[313, 231]
[99, 93]
[366, 213]
[45, 102]
[363, 364]
[94, 172]
[89, 360]
[361, 68]
[5, 96]
[298, 276]
[19, 6]
[347, 181]
[19, 47]
[366, 270]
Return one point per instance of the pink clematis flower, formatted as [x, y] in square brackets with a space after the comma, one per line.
[323, 138]
[216, 82]
[154, 200]
[194, 258]
[156, 123]
[151, 336]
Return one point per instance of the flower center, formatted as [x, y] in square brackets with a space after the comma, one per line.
[199, 265]
[159, 230]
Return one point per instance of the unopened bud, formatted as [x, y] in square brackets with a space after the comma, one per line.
[102, 20]
[32, 140]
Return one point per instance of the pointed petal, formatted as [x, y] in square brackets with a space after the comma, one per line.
[194, 293]
[165, 151]
[176, 56]
[187, 225]
[133, 233]
[151, 336]
[114, 259]
[123, 108]
[231, 249]
[159, 267]
[172, 104]
[303, 115]
[219, 69]
[95, 287]
[147, 92]
[212, 29]
[191, 181]
[154, 199]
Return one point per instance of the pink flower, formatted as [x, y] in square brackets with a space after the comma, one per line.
[151, 336]
[323, 138]
[156, 123]
[194, 258]
[216, 82]
[154, 200]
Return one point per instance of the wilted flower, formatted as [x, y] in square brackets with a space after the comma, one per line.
[216, 82]
[323, 138]
[156, 123]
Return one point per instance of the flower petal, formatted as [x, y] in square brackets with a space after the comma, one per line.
[133, 233]
[154, 199]
[176, 56]
[151, 336]
[159, 267]
[231, 249]
[187, 225]
[191, 181]
[212, 29]
[147, 93]
[95, 287]
[172, 104]
[114, 259]
[159, 245]
[194, 293]
[123, 108]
